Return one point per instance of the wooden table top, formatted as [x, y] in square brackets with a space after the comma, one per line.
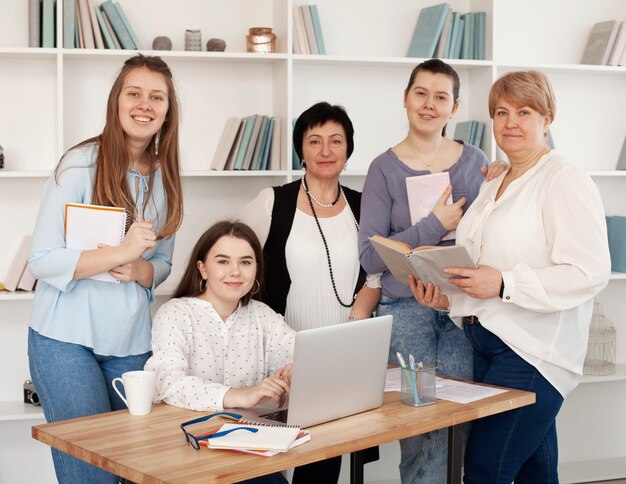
[153, 449]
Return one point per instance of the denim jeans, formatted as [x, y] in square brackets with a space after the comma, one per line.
[519, 445]
[431, 337]
[72, 381]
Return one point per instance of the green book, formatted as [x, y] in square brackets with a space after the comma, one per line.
[106, 35]
[123, 36]
[245, 140]
[129, 28]
[268, 143]
[317, 26]
[255, 164]
[48, 23]
[428, 30]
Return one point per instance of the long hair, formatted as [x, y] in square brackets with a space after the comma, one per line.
[189, 285]
[110, 185]
[437, 66]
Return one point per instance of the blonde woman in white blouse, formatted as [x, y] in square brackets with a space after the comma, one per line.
[215, 347]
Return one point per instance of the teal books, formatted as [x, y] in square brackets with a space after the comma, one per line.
[123, 36]
[48, 24]
[255, 163]
[317, 26]
[462, 132]
[428, 30]
[106, 34]
[267, 144]
[245, 140]
[129, 28]
[34, 22]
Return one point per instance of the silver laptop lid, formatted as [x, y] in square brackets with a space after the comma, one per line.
[339, 370]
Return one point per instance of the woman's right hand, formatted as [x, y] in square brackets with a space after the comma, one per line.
[140, 238]
[449, 215]
[271, 388]
[428, 295]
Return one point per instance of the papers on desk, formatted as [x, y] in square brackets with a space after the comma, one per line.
[451, 390]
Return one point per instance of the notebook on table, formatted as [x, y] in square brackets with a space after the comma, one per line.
[266, 437]
[338, 370]
[86, 226]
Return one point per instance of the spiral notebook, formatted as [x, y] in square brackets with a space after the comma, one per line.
[86, 226]
[267, 437]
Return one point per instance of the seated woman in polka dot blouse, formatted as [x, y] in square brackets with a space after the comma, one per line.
[213, 346]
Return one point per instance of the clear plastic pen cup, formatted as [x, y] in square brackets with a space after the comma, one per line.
[418, 386]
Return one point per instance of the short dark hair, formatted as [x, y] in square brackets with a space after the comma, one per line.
[189, 285]
[437, 66]
[320, 114]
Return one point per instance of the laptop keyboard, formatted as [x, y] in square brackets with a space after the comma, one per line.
[279, 416]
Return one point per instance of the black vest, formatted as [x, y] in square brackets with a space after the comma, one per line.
[277, 282]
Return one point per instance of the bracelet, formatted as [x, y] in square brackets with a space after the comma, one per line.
[353, 318]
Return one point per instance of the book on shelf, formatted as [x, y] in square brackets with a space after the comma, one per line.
[225, 143]
[34, 23]
[428, 30]
[264, 437]
[479, 36]
[123, 36]
[275, 148]
[269, 136]
[317, 27]
[470, 132]
[87, 226]
[252, 142]
[426, 263]
[444, 38]
[308, 28]
[618, 45]
[601, 39]
[85, 24]
[295, 159]
[423, 192]
[616, 234]
[550, 140]
[48, 24]
[128, 26]
[255, 163]
[302, 43]
[107, 35]
[97, 35]
[249, 122]
[69, 16]
[27, 280]
[232, 155]
[621, 161]
[109, 27]
[467, 49]
[18, 264]
[449, 50]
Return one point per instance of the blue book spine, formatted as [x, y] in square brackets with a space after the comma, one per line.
[69, 14]
[480, 53]
[106, 35]
[47, 24]
[317, 26]
[129, 27]
[459, 40]
[427, 31]
[452, 36]
[118, 25]
[245, 140]
[268, 144]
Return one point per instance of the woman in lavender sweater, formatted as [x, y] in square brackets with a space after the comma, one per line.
[430, 100]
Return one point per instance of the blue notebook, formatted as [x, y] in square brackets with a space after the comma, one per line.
[427, 31]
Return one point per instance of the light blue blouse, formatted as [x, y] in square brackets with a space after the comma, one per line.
[112, 319]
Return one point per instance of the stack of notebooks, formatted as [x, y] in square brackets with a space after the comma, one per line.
[470, 132]
[91, 26]
[443, 33]
[250, 143]
[307, 31]
[267, 440]
[606, 44]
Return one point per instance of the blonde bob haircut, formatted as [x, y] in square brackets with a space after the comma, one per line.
[524, 88]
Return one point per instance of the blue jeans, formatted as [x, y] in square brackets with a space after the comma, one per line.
[72, 381]
[519, 445]
[431, 337]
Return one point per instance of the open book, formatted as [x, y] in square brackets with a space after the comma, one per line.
[302, 438]
[86, 226]
[426, 263]
[267, 437]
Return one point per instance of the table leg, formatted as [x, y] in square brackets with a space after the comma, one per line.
[455, 448]
[357, 461]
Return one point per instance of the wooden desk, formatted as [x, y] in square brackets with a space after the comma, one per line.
[152, 448]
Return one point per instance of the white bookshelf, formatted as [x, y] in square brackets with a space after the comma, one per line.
[54, 98]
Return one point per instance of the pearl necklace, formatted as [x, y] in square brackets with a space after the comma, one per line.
[421, 160]
[319, 227]
[305, 187]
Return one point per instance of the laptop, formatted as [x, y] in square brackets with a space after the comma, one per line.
[338, 371]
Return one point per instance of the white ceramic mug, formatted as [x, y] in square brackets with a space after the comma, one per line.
[139, 389]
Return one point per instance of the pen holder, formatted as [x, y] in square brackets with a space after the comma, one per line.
[418, 386]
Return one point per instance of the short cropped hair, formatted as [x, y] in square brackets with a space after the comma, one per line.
[524, 88]
[318, 115]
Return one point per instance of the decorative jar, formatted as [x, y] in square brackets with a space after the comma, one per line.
[261, 39]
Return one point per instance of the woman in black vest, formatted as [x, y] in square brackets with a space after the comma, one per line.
[309, 232]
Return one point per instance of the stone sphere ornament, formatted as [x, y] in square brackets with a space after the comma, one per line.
[162, 43]
[216, 45]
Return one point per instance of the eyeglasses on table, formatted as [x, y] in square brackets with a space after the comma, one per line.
[195, 441]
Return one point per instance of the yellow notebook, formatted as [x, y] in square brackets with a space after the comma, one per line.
[266, 437]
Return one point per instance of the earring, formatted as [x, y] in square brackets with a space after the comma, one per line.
[157, 140]
[202, 285]
[302, 164]
[258, 288]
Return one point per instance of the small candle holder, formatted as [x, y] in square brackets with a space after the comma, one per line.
[261, 39]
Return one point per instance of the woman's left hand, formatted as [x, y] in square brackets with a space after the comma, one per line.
[496, 168]
[481, 283]
[428, 295]
[138, 270]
